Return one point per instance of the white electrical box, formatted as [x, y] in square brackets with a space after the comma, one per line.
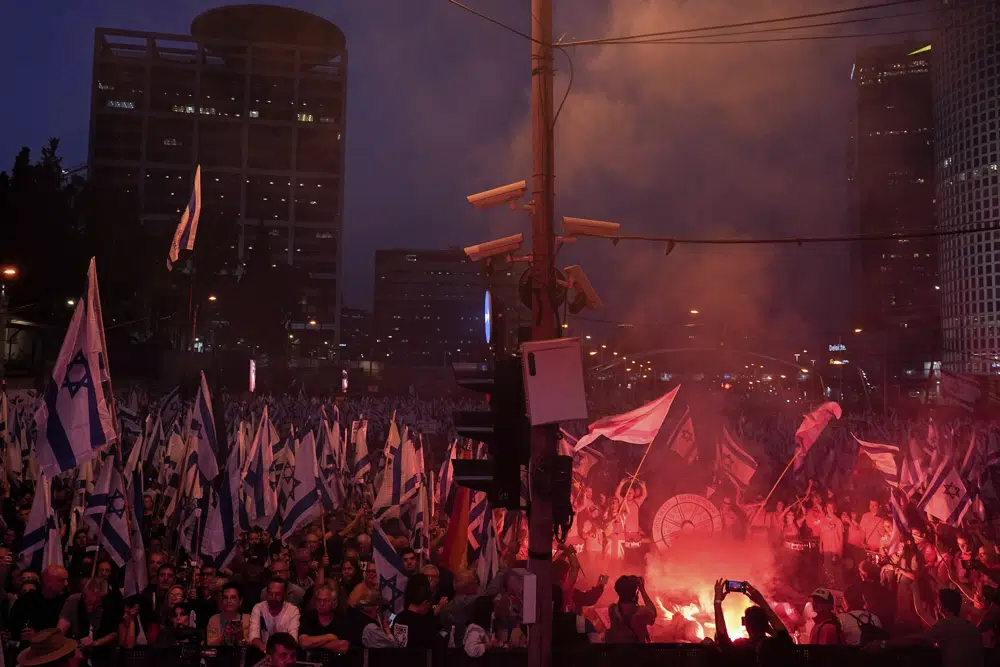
[553, 380]
[522, 588]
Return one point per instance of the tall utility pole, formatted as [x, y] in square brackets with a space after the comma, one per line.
[543, 326]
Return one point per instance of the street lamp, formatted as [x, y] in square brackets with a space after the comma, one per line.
[857, 330]
[70, 302]
[693, 312]
[312, 323]
[213, 298]
[9, 271]
[593, 352]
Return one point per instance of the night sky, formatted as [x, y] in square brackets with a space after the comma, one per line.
[695, 140]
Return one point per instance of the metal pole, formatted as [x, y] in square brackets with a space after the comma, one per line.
[543, 439]
[3, 329]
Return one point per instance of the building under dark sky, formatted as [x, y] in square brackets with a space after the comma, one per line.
[892, 175]
[966, 106]
[428, 308]
[257, 96]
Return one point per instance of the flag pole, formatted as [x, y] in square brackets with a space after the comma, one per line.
[771, 492]
[643, 459]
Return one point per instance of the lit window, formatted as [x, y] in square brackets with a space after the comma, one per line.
[208, 111]
[305, 117]
[170, 141]
[254, 114]
[120, 104]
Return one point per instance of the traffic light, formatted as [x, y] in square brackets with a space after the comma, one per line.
[505, 429]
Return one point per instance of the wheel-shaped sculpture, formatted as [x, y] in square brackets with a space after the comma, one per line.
[686, 513]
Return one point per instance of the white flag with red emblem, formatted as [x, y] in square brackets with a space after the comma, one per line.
[637, 427]
[811, 428]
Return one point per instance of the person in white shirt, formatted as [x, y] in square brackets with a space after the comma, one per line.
[852, 621]
[273, 615]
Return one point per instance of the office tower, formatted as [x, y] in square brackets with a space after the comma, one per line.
[891, 174]
[257, 96]
[966, 100]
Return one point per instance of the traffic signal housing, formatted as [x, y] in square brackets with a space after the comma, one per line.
[505, 429]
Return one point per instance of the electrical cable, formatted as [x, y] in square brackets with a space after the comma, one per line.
[824, 24]
[490, 19]
[931, 233]
[805, 38]
[741, 24]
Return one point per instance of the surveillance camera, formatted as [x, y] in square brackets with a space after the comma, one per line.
[584, 227]
[586, 295]
[498, 196]
[504, 246]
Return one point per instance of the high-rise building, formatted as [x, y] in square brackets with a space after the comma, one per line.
[892, 180]
[429, 308]
[966, 104]
[256, 95]
[356, 340]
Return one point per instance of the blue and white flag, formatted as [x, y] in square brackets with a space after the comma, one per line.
[362, 462]
[309, 496]
[73, 420]
[40, 545]
[734, 461]
[262, 500]
[331, 457]
[389, 566]
[446, 479]
[136, 575]
[400, 478]
[223, 524]
[420, 537]
[107, 513]
[489, 558]
[883, 457]
[947, 497]
[187, 228]
[201, 426]
[479, 517]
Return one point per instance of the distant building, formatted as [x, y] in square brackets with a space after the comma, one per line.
[357, 341]
[256, 96]
[429, 307]
[967, 169]
[892, 178]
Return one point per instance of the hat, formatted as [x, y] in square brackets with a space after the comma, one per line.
[46, 646]
[822, 594]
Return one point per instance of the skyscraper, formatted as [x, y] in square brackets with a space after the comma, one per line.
[257, 96]
[966, 103]
[892, 178]
[429, 308]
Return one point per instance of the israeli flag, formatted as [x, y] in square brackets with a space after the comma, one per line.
[262, 501]
[389, 566]
[107, 513]
[136, 575]
[73, 420]
[446, 479]
[224, 517]
[309, 497]
[40, 546]
[201, 426]
[187, 228]
[362, 462]
[489, 558]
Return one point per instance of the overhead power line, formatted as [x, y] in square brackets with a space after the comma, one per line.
[694, 41]
[801, 240]
[773, 29]
[741, 24]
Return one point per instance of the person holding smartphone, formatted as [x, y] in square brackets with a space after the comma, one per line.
[761, 623]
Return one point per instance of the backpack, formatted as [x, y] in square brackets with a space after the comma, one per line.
[869, 631]
[621, 631]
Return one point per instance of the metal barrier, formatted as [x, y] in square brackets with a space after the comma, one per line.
[595, 655]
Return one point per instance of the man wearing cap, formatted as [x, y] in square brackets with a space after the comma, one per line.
[826, 628]
[51, 648]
